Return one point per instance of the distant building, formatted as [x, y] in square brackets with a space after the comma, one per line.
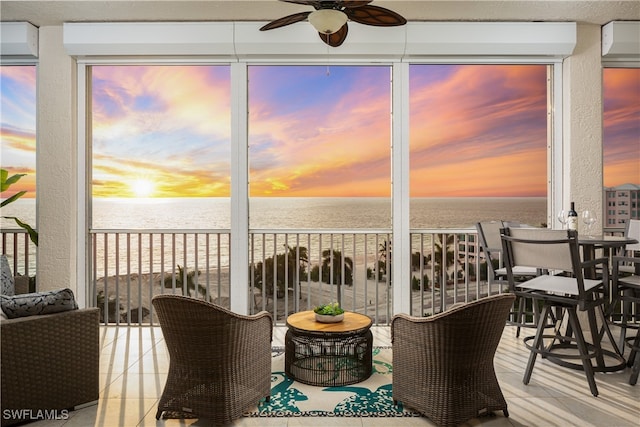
[621, 203]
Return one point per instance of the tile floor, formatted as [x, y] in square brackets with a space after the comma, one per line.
[134, 365]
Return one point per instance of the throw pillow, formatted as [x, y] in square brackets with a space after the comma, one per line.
[7, 287]
[38, 303]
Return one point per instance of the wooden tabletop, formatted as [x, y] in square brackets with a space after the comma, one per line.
[306, 321]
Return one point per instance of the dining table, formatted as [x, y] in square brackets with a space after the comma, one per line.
[590, 243]
[611, 245]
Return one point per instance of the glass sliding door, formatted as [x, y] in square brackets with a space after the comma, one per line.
[320, 185]
[478, 152]
[18, 157]
[478, 144]
[160, 185]
[621, 146]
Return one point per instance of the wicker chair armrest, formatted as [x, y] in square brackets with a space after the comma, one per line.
[406, 320]
[46, 322]
[414, 322]
[50, 361]
[260, 323]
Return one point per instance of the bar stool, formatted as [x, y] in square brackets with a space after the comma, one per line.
[563, 289]
[489, 239]
[626, 291]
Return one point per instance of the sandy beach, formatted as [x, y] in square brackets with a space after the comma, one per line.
[374, 298]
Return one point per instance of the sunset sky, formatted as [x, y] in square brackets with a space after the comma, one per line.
[621, 126]
[164, 131]
[18, 125]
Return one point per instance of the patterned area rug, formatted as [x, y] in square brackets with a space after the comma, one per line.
[370, 398]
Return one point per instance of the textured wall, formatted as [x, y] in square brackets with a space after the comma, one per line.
[56, 164]
[57, 158]
[582, 131]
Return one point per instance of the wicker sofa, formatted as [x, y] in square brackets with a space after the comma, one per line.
[50, 364]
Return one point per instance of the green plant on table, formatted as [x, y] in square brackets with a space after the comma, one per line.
[331, 309]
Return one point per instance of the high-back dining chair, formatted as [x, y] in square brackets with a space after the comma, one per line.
[489, 239]
[632, 230]
[626, 280]
[563, 289]
[626, 291]
[491, 244]
[219, 361]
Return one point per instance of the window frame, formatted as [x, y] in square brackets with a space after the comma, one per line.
[557, 192]
[29, 61]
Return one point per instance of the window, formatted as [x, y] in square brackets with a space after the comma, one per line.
[18, 154]
[160, 160]
[319, 146]
[621, 91]
[621, 123]
[478, 144]
[18, 106]
[161, 146]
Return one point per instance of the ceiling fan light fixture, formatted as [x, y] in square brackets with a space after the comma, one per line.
[327, 21]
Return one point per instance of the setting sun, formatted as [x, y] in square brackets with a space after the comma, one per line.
[142, 188]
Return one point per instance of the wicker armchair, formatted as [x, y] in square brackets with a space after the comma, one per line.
[220, 362]
[50, 363]
[443, 365]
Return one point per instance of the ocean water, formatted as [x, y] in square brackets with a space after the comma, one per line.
[280, 214]
[314, 213]
[297, 213]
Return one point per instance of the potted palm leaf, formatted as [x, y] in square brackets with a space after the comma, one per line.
[6, 182]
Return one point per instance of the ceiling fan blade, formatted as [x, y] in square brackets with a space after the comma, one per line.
[336, 4]
[337, 38]
[375, 15]
[291, 19]
[314, 3]
[354, 3]
[308, 2]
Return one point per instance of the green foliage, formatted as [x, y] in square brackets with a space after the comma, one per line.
[315, 273]
[7, 181]
[113, 307]
[331, 309]
[415, 283]
[443, 249]
[415, 261]
[335, 259]
[284, 263]
[190, 282]
[371, 273]
[384, 255]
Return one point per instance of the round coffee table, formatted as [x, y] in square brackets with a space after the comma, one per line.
[328, 354]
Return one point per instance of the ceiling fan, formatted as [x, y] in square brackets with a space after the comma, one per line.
[330, 18]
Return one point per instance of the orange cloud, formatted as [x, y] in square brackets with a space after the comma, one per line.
[621, 119]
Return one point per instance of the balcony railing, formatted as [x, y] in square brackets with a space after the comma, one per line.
[289, 270]
[20, 251]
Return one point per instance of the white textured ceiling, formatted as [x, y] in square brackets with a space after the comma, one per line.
[44, 13]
